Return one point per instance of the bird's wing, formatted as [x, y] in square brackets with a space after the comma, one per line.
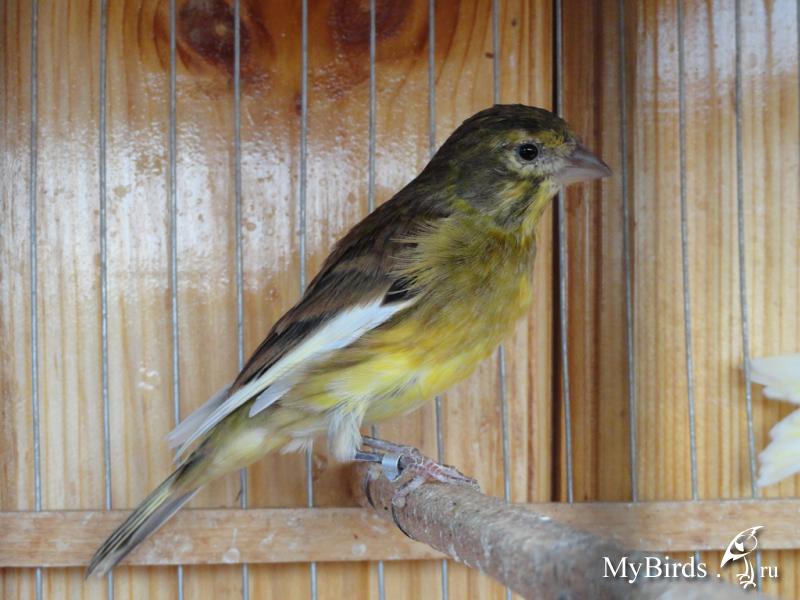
[780, 374]
[187, 426]
[356, 290]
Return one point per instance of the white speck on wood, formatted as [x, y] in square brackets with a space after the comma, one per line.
[231, 555]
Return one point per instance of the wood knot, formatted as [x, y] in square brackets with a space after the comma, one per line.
[206, 40]
[349, 20]
[401, 31]
[207, 28]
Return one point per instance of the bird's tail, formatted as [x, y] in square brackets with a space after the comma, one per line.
[152, 513]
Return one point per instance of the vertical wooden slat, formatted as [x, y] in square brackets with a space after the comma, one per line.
[770, 158]
[770, 142]
[16, 490]
[597, 341]
[16, 476]
[656, 247]
[206, 268]
[68, 271]
[270, 170]
[139, 341]
[710, 150]
[599, 349]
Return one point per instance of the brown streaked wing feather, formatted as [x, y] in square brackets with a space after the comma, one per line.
[359, 268]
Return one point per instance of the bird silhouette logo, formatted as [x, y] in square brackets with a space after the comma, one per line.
[741, 546]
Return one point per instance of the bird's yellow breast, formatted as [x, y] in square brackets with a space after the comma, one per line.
[475, 286]
[437, 346]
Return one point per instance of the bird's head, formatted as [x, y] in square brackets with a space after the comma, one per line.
[510, 157]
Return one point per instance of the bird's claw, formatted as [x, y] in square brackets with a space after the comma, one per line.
[406, 461]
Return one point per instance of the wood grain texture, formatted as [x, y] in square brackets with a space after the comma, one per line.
[207, 536]
[16, 493]
[139, 322]
[710, 146]
[771, 185]
[598, 366]
[213, 537]
[769, 110]
[139, 336]
[68, 244]
[270, 158]
[531, 553]
[597, 339]
[659, 351]
[16, 450]
[206, 269]
[525, 76]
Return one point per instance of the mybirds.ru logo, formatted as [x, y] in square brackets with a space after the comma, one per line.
[740, 548]
[740, 551]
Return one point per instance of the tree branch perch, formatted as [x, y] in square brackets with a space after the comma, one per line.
[531, 553]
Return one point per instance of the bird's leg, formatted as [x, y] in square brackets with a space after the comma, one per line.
[362, 456]
[398, 460]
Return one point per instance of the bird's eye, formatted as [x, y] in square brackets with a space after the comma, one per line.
[528, 152]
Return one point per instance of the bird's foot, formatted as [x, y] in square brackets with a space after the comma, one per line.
[398, 461]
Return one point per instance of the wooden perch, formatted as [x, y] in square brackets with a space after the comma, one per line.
[531, 553]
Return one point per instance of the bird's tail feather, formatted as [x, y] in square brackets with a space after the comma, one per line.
[152, 513]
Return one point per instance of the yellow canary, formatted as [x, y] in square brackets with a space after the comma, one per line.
[407, 303]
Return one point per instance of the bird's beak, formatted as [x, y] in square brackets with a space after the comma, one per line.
[581, 165]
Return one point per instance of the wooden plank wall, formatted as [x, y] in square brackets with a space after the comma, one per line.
[470, 65]
[655, 34]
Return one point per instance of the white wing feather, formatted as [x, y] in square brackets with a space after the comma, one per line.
[185, 428]
[272, 394]
[779, 459]
[781, 375]
[340, 331]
